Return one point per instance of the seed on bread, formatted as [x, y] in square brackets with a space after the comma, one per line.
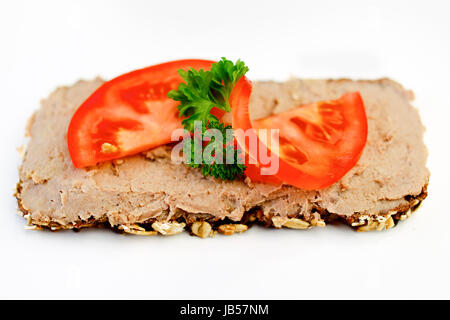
[295, 223]
[229, 229]
[168, 228]
[137, 230]
[202, 229]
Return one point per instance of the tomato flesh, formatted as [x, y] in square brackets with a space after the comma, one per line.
[318, 143]
[128, 114]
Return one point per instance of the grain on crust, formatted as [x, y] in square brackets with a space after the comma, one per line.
[203, 226]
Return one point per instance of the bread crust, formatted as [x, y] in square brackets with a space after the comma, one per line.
[359, 222]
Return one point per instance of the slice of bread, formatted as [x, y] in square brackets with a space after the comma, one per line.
[149, 194]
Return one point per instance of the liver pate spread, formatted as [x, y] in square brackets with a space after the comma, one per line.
[150, 187]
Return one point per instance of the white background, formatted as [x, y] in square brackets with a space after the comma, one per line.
[46, 44]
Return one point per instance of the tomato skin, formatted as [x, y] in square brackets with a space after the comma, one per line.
[326, 158]
[128, 114]
[239, 100]
[253, 171]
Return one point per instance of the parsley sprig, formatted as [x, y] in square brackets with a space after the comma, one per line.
[204, 90]
[222, 148]
[201, 91]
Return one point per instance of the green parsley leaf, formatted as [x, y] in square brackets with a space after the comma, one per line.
[204, 90]
[201, 91]
[223, 170]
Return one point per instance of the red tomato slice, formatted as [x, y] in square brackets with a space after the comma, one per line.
[318, 143]
[128, 114]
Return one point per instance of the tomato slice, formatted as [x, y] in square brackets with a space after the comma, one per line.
[128, 114]
[318, 143]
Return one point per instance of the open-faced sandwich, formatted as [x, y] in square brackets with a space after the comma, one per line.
[194, 145]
